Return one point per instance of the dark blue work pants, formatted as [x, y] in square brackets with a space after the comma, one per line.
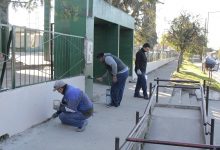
[117, 89]
[141, 84]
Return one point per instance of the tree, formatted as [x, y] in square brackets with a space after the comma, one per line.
[218, 54]
[199, 45]
[144, 13]
[185, 35]
[28, 4]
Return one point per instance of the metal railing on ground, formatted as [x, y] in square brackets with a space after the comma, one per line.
[134, 141]
[27, 56]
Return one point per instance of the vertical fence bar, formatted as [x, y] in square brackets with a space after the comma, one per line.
[25, 51]
[34, 69]
[51, 50]
[13, 58]
[30, 46]
[207, 101]
[204, 85]
[157, 89]
[212, 131]
[117, 143]
[38, 62]
[150, 90]
[137, 117]
[20, 51]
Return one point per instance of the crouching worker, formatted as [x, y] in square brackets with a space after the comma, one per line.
[75, 107]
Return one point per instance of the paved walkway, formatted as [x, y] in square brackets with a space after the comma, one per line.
[103, 127]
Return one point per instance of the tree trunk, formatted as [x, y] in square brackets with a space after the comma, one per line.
[180, 61]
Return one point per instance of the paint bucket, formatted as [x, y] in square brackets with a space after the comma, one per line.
[108, 97]
[56, 104]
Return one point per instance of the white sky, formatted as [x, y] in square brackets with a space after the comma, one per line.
[165, 14]
[22, 17]
[171, 8]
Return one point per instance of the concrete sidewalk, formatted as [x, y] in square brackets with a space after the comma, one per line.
[103, 127]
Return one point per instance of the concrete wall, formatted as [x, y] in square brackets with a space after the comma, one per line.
[24, 107]
[154, 65]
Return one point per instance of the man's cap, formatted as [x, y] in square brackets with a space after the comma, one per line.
[58, 84]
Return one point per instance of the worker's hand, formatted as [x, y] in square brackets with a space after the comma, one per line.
[114, 79]
[100, 79]
[139, 72]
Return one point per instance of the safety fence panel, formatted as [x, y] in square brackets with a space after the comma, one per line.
[31, 56]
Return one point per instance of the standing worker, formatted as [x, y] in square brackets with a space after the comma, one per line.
[119, 73]
[75, 108]
[140, 70]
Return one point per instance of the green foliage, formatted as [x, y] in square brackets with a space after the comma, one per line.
[218, 54]
[28, 4]
[186, 36]
[144, 13]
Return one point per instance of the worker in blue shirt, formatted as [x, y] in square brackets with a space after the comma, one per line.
[75, 108]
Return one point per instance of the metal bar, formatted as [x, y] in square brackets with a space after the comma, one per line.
[212, 131]
[150, 90]
[117, 140]
[204, 85]
[51, 50]
[207, 101]
[186, 81]
[144, 115]
[5, 59]
[157, 93]
[188, 87]
[203, 107]
[38, 66]
[137, 117]
[25, 49]
[20, 49]
[13, 58]
[34, 57]
[46, 31]
[171, 143]
[30, 53]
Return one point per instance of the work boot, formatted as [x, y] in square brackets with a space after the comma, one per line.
[146, 97]
[81, 129]
[138, 96]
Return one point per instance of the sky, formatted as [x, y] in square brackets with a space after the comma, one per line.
[172, 8]
[21, 17]
[165, 14]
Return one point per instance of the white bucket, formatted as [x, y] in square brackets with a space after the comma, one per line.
[56, 104]
[108, 96]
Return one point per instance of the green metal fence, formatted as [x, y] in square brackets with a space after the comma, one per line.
[30, 56]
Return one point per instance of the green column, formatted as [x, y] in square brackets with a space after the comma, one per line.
[47, 10]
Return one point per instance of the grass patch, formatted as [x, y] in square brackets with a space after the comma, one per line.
[189, 71]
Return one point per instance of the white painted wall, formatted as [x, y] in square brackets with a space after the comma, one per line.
[24, 107]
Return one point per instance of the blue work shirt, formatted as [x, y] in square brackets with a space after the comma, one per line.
[76, 100]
